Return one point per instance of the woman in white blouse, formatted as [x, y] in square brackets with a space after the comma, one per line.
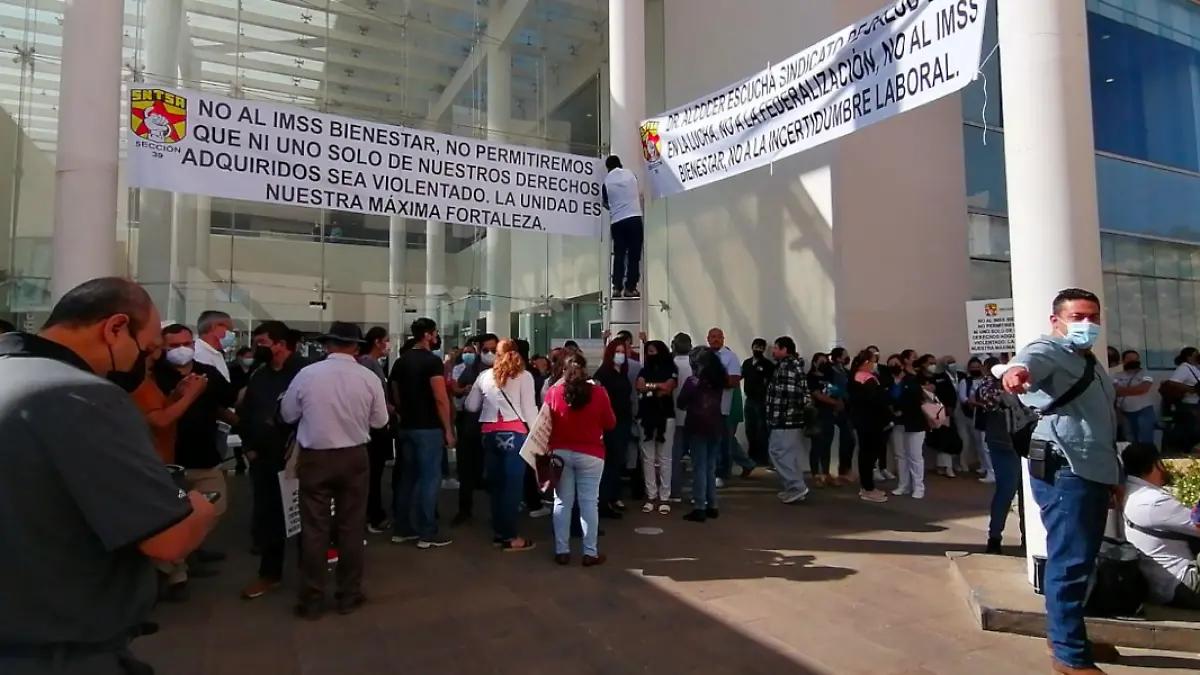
[505, 399]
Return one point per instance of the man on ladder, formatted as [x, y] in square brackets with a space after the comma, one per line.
[624, 200]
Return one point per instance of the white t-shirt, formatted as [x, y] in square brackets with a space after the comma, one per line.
[1187, 374]
[1164, 561]
[733, 366]
[624, 197]
[683, 365]
[1132, 379]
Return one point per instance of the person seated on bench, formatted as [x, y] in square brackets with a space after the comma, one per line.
[1161, 527]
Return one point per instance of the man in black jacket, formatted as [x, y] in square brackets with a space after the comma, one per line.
[756, 373]
[264, 438]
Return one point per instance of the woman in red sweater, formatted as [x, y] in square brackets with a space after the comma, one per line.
[581, 413]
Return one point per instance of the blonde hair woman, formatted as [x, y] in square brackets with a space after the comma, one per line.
[505, 399]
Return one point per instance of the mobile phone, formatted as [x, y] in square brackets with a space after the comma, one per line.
[212, 497]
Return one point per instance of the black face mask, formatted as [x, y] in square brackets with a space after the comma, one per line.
[1133, 365]
[976, 373]
[263, 354]
[758, 353]
[131, 379]
[895, 370]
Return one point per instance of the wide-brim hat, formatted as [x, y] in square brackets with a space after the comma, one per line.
[343, 332]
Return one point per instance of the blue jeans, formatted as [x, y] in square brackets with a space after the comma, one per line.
[507, 470]
[580, 482]
[706, 452]
[1007, 467]
[1139, 425]
[415, 503]
[756, 431]
[731, 451]
[1074, 511]
[616, 447]
[678, 451]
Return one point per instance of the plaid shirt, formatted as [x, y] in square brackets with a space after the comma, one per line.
[787, 395]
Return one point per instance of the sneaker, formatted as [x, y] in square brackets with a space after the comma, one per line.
[720, 483]
[618, 293]
[794, 497]
[712, 514]
[259, 588]
[949, 473]
[875, 497]
[633, 293]
[696, 516]
[450, 484]
[541, 513]
[403, 539]
[648, 507]
[918, 494]
[888, 475]
[988, 479]
[379, 528]
[901, 491]
[664, 509]
[879, 477]
[436, 542]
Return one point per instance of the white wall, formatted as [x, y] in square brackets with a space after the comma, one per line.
[35, 204]
[859, 241]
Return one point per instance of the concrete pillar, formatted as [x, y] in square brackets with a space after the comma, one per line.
[89, 124]
[397, 289]
[1054, 229]
[156, 255]
[627, 109]
[435, 269]
[499, 241]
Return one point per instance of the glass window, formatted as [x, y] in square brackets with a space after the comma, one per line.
[984, 155]
[990, 279]
[1170, 322]
[1132, 313]
[981, 98]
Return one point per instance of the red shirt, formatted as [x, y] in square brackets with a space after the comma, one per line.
[580, 430]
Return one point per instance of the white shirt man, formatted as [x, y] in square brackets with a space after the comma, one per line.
[337, 402]
[1159, 526]
[1188, 375]
[623, 194]
[214, 335]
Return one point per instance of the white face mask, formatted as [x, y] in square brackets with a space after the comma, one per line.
[181, 356]
[488, 358]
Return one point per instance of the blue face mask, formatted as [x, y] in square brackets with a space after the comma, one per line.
[619, 359]
[1083, 334]
[468, 358]
[228, 340]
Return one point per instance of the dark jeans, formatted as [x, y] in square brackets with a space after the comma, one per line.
[678, 450]
[1006, 465]
[628, 236]
[1074, 511]
[845, 444]
[533, 493]
[705, 452]
[616, 446]
[338, 476]
[266, 520]
[379, 451]
[507, 471]
[872, 443]
[731, 451]
[756, 431]
[415, 510]
[470, 461]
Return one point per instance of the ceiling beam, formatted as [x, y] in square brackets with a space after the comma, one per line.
[499, 28]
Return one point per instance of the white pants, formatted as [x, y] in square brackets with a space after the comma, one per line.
[975, 441]
[910, 461]
[656, 464]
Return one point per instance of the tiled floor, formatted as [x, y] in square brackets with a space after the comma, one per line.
[832, 587]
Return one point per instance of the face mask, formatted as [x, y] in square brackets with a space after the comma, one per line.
[228, 340]
[435, 345]
[469, 358]
[931, 369]
[895, 370]
[181, 356]
[248, 361]
[488, 358]
[619, 359]
[131, 379]
[1082, 334]
[1133, 365]
[759, 352]
[976, 373]
[263, 354]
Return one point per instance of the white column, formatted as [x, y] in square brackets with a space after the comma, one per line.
[435, 268]
[627, 109]
[89, 120]
[156, 255]
[1050, 165]
[499, 240]
[397, 289]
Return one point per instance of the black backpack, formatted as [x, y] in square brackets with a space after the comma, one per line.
[1118, 588]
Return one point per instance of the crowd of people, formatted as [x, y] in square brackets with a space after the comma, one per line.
[624, 430]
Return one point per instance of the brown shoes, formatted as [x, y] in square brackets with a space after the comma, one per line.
[590, 561]
[258, 589]
[1101, 653]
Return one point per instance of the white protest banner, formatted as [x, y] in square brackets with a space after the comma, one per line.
[199, 143]
[289, 490]
[990, 326]
[908, 54]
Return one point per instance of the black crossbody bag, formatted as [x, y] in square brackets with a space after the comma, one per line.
[1042, 461]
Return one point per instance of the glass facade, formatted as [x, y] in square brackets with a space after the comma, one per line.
[394, 62]
[1145, 72]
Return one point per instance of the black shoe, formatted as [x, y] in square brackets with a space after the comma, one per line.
[460, 519]
[696, 516]
[209, 556]
[712, 514]
[146, 628]
[747, 470]
[993, 547]
[633, 292]
[611, 514]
